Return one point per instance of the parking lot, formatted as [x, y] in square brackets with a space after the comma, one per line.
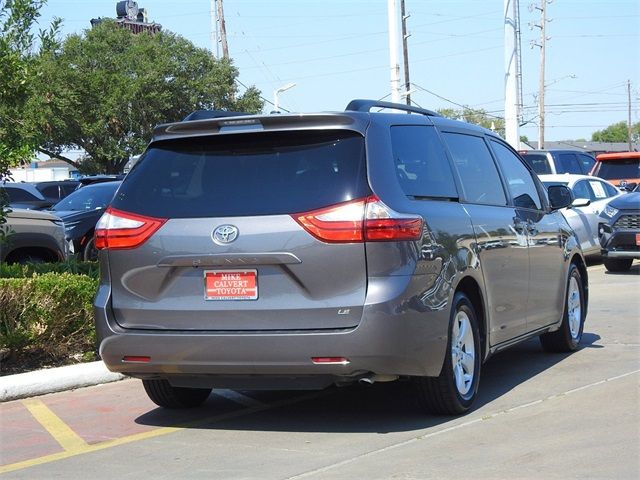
[538, 416]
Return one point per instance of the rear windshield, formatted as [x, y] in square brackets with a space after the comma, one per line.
[538, 162]
[246, 174]
[619, 169]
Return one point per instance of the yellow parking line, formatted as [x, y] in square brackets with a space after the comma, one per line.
[77, 449]
[60, 431]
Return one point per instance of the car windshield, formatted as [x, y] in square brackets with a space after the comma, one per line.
[91, 197]
[613, 170]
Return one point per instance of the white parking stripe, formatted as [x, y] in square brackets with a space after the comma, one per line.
[456, 427]
[238, 398]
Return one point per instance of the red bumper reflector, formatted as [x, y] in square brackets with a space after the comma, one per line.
[330, 360]
[136, 359]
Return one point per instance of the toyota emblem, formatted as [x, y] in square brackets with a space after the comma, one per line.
[225, 234]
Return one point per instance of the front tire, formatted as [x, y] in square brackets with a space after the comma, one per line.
[453, 392]
[165, 395]
[618, 264]
[568, 336]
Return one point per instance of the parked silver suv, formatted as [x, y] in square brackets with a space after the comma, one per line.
[33, 236]
[300, 251]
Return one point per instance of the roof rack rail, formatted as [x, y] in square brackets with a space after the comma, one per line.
[209, 114]
[361, 105]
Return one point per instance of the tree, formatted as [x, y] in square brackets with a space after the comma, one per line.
[478, 117]
[617, 132]
[106, 89]
[18, 72]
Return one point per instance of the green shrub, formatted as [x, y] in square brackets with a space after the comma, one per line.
[49, 314]
[17, 270]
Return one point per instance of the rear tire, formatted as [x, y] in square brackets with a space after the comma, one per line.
[568, 336]
[165, 395]
[618, 264]
[453, 392]
[90, 252]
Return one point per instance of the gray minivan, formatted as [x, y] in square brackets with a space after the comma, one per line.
[301, 251]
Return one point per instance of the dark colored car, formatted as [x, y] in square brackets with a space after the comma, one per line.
[91, 179]
[80, 212]
[56, 190]
[24, 196]
[547, 162]
[300, 251]
[620, 232]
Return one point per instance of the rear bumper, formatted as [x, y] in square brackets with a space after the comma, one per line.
[392, 339]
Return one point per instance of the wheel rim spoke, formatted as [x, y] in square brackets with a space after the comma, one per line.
[462, 352]
[574, 310]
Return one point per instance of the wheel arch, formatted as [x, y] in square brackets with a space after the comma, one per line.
[470, 287]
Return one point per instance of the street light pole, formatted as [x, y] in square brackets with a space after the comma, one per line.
[277, 92]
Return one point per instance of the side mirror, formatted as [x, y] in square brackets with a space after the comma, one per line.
[560, 196]
[580, 202]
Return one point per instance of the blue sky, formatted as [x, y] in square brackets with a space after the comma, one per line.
[337, 50]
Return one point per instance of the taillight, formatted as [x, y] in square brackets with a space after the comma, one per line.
[364, 219]
[119, 230]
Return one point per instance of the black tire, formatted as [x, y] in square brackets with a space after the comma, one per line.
[568, 336]
[440, 395]
[165, 395]
[618, 264]
[90, 252]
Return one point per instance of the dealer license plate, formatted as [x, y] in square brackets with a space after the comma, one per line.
[231, 284]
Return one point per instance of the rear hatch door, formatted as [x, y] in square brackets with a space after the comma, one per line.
[229, 254]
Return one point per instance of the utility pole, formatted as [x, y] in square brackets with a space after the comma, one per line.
[215, 46]
[405, 53]
[511, 79]
[543, 40]
[392, 10]
[629, 112]
[223, 30]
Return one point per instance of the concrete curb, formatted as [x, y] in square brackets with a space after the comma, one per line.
[22, 385]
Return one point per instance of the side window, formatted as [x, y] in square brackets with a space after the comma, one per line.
[521, 186]
[477, 170]
[19, 195]
[50, 191]
[599, 191]
[587, 163]
[568, 163]
[538, 162]
[610, 189]
[581, 190]
[421, 164]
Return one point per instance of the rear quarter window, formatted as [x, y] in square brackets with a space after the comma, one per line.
[421, 163]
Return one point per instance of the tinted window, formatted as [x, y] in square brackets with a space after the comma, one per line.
[91, 197]
[581, 190]
[421, 163]
[50, 191]
[538, 162]
[19, 195]
[478, 173]
[629, 168]
[587, 162]
[567, 163]
[521, 185]
[246, 174]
